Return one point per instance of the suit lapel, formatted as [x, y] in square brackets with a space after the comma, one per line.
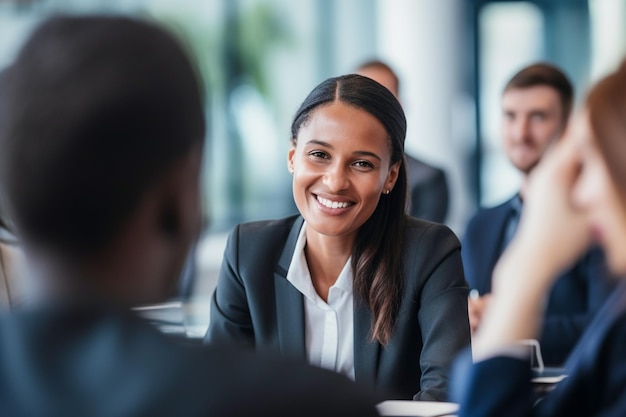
[366, 353]
[290, 318]
[289, 301]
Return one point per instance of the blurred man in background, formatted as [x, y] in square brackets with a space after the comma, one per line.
[536, 104]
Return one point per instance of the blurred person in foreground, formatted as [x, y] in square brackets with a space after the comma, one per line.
[576, 197]
[428, 195]
[101, 136]
[536, 105]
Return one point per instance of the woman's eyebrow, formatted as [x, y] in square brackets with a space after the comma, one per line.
[328, 145]
[367, 153]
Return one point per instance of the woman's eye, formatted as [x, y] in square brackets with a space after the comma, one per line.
[318, 154]
[364, 164]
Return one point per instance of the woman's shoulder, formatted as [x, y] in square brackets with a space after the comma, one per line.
[606, 333]
[428, 243]
[419, 230]
[262, 242]
[265, 232]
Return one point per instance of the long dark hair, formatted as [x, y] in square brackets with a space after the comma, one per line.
[377, 259]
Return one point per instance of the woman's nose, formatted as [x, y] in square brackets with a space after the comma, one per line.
[336, 178]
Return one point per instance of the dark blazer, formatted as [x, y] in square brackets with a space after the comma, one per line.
[573, 300]
[255, 305]
[89, 363]
[428, 191]
[595, 385]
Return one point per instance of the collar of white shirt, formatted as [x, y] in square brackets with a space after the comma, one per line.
[300, 276]
[329, 327]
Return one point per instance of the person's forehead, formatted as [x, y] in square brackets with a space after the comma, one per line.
[537, 97]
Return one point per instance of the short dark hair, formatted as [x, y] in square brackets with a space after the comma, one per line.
[378, 64]
[93, 110]
[377, 255]
[549, 75]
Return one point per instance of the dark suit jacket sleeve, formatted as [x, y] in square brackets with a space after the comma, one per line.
[595, 385]
[560, 332]
[231, 320]
[495, 387]
[442, 314]
[429, 199]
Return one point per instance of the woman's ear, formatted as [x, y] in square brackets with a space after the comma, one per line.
[290, 158]
[392, 176]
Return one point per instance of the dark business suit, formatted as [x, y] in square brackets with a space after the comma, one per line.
[595, 386]
[90, 363]
[573, 300]
[255, 305]
[428, 190]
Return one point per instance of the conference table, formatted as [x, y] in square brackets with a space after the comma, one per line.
[407, 408]
[189, 319]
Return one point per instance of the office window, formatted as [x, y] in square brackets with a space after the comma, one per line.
[608, 35]
[511, 36]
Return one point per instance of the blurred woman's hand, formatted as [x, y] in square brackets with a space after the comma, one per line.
[550, 236]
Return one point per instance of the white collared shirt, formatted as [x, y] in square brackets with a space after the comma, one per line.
[329, 327]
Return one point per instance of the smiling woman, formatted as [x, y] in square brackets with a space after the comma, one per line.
[351, 284]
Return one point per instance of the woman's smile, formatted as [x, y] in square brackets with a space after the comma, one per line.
[335, 204]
